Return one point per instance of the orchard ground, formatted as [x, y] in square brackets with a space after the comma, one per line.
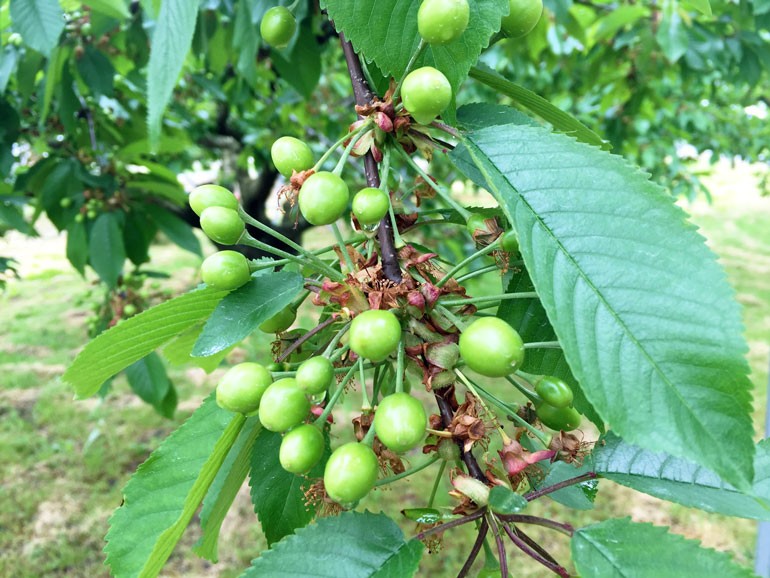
[64, 462]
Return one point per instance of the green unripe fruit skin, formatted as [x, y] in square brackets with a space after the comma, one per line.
[281, 321]
[475, 222]
[554, 391]
[226, 270]
[206, 196]
[490, 573]
[283, 405]
[370, 205]
[241, 388]
[301, 449]
[65, 202]
[491, 347]
[510, 242]
[221, 225]
[426, 93]
[442, 21]
[400, 422]
[278, 26]
[522, 18]
[315, 375]
[559, 418]
[350, 473]
[129, 310]
[291, 154]
[374, 334]
[323, 198]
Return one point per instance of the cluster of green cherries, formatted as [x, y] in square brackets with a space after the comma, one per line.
[488, 346]
[425, 92]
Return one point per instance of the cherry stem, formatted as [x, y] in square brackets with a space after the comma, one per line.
[436, 483]
[449, 525]
[490, 299]
[363, 95]
[317, 329]
[335, 396]
[566, 529]
[410, 65]
[560, 486]
[334, 342]
[483, 529]
[343, 248]
[315, 261]
[534, 545]
[464, 213]
[366, 404]
[459, 323]
[477, 272]
[355, 136]
[480, 253]
[400, 367]
[407, 473]
[522, 545]
[351, 134]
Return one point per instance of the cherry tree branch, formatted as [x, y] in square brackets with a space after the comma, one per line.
[364, 95]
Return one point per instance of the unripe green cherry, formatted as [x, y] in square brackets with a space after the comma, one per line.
[301, 449]
[291, 154]
[350, 473]
[442, 21]
[315, 375]
[374, 334]
[241, 388]
[221, 225]
[522, 18]
[323, 198]
[226, 270]
[510, 242]
[400, 422]
[207, 196]
[491, 347]
[370, 205]
[426, 93]
[278, 26]
[554, 391]
[559, 418]
[279, 322]
[283, 405]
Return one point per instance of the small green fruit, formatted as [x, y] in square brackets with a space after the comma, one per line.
[207, 196]
[226, 270]
[278, 26]
[522, 18]
[301, 449]
[442, 21]
[426, 93]
[315, 375]
[241, 388]
[222, 225]
[279, 322]
[370, 205]
[290, 154]
[323, 198]
[283, 406]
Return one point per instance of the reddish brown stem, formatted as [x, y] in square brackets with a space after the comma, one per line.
[532, 553]
[450, 525]
[475, 550]
[501, 555]
[318, 328]
[534, 545]
[537, 521]
[560, 486]
[364, 95]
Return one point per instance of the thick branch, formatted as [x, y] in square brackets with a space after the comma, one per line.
[364, 95]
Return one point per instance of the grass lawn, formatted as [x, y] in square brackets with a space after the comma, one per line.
[65, 462]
